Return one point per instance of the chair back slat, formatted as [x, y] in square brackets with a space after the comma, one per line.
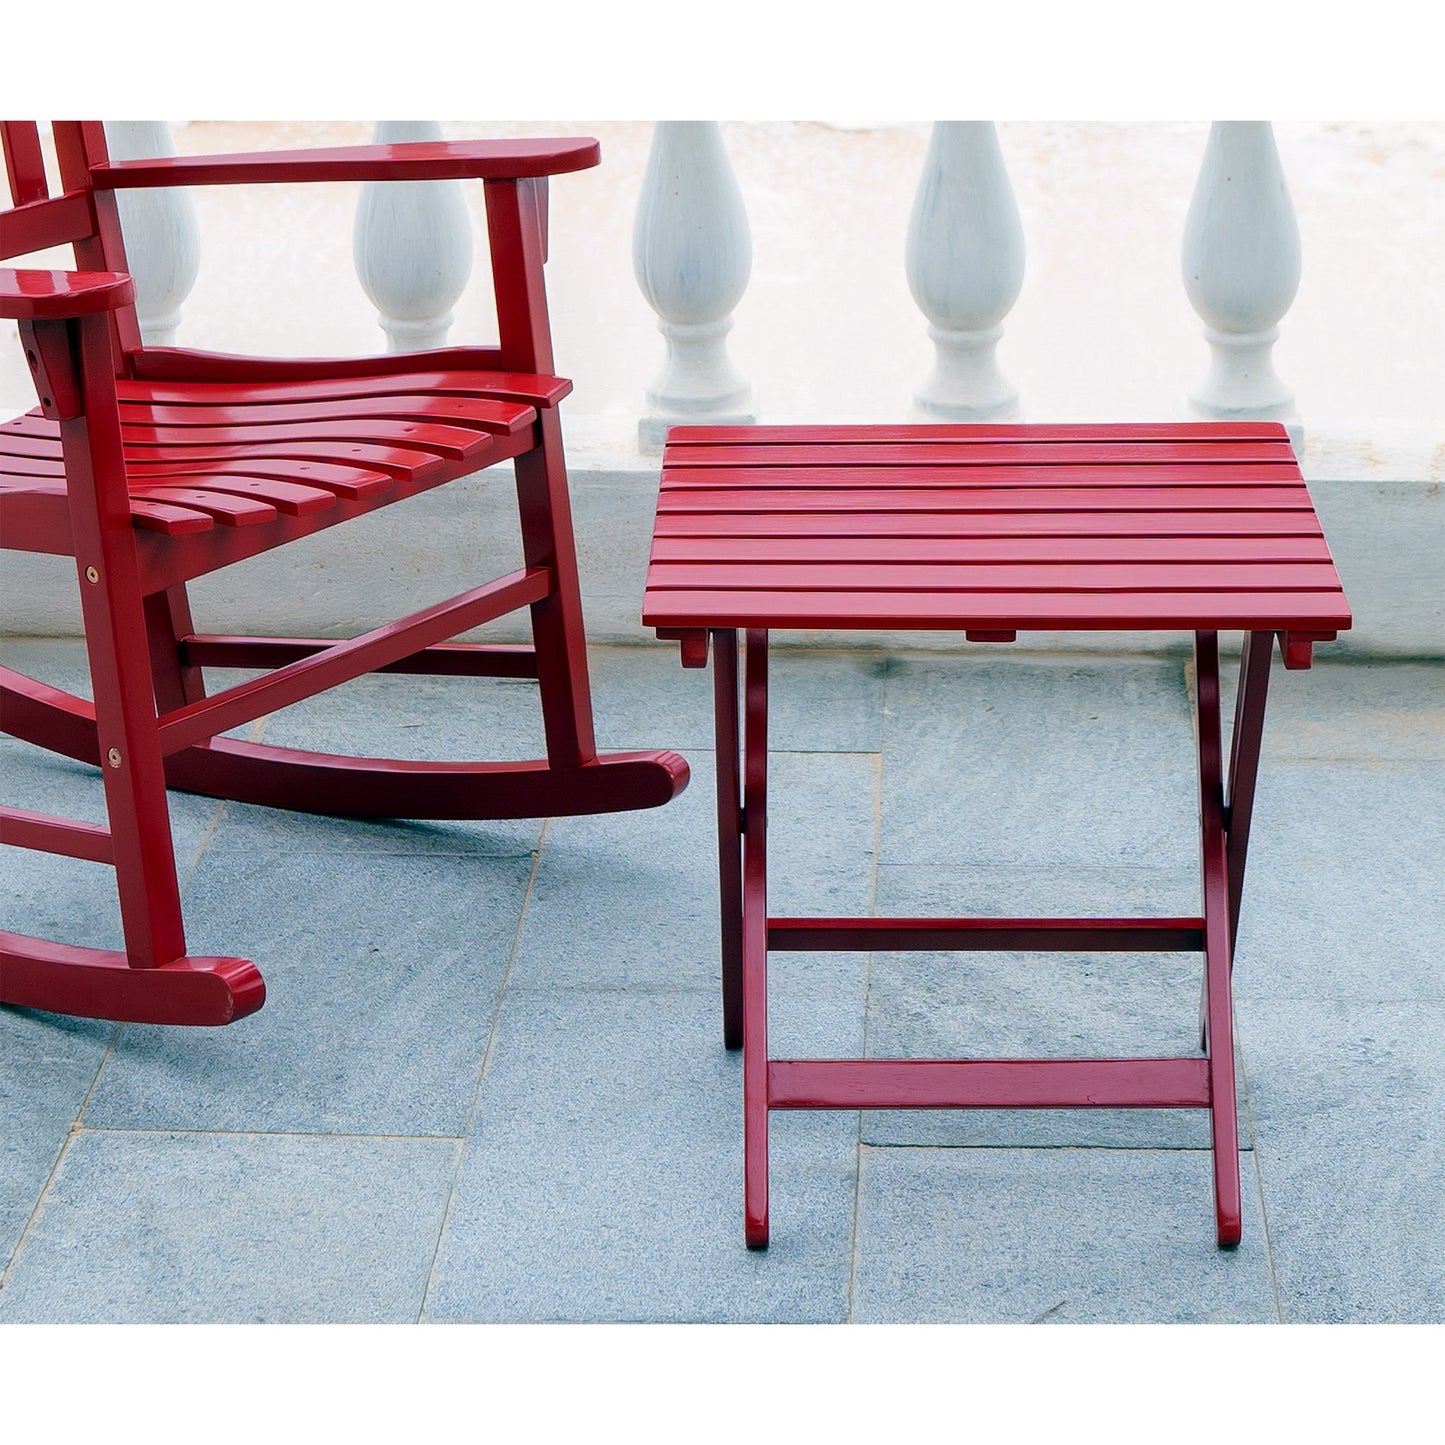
[82, 218]
[24, 161]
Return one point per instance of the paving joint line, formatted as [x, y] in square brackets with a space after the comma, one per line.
[75, 1128]
[1259, 1182]
[79, 1128]
[868, 978]
[482, 1071]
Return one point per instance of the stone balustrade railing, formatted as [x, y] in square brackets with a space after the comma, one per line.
[963, 254]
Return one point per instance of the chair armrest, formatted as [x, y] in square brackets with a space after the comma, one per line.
[490, 160]
[57, 295]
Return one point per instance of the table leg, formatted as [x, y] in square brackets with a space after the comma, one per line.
[755, 941]
[1244, 759]
[1217, 944]
[729, 831]
[1244, 750]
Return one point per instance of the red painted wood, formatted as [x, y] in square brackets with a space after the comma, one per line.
[1032, 935]
[153, 466]
[823, 457]
[42, 225]
[339, 481]
[79, 145]
[441, 659]
[1083, 525]
[1177, 527]
[729, 833]
[97, 983]
[346, 660]
[349, 787]
[54, 295]
[453, 442]
[988, 1083]
[501, 418]
[288, 497]
[20, 828]
[545, 512]
[132, 770]
[755, 941]
[24, 161]
[1038, 579]
[409, 161]
[1218, 952]
[913, 550]
[953, 432]
[1244, 751]
[1006, 471]
[1059, 611]
[338, 383]
[230, 511]
[994, 499]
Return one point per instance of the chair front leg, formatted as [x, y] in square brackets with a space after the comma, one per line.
[132, 765]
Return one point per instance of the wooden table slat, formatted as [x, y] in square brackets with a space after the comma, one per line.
[1322, 611]
[746, 436]
[970, 453]
[993, 499]
[750, 550]
[1042, 577]
[1298, 523]
[999, 528]
[1281, 473]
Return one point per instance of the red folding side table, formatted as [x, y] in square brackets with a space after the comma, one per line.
[988, 531]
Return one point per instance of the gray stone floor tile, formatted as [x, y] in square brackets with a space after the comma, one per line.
[1046, 762]
[1345, 891]
[631, 900]
[47, 1064]
[1041, 1005]
[1349, 1114]
[59, 661]
[1350, 712]
[203, 1228]
[245, 829]
[402, 716]
[818, 702]
[1086, 1236]
[603, 1179]
[238, 1174]
[412, 718]
[383, 977]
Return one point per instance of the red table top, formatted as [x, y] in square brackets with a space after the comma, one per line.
[1157, 526]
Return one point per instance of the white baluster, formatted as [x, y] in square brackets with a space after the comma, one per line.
[161, 234]
[1241, 270]
[412, 244]
[692, 255]
[965, 264]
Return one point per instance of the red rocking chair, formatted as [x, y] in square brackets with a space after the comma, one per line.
[152, 466]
